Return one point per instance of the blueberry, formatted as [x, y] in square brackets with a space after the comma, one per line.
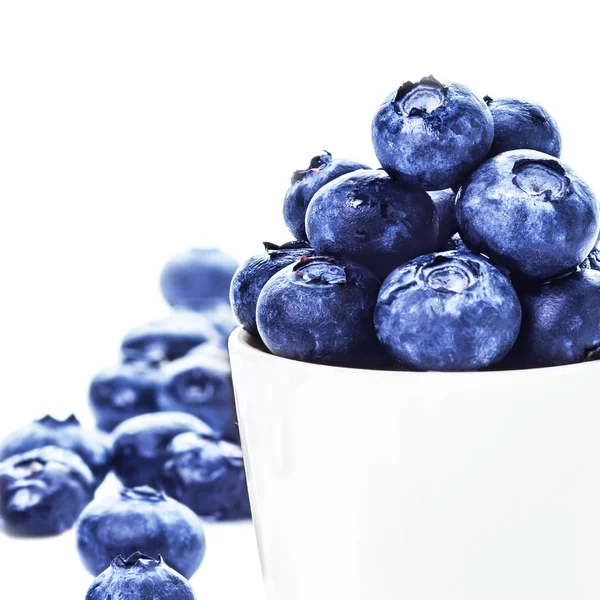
[305, 183]
[43, 491]
[451, 311]
[200, 384]
[320, 310]
[367, 218]
[139, 577]
[140, 444]
[140, 519]
[444, 202]
[93, 447]
[454, 243]
[522, 125]
[208, 477]
[593, 259]
[167, 339]
[529, 213]
[251, 277]
[561, 322]
[122, 392]
[197, 277]
[432, 134]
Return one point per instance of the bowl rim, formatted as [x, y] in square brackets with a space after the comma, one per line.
[244, 344]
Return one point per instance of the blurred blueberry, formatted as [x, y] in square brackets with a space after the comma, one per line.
[444, 202]
[367, 218]
[305, 183]
[447, 312]
[94, 447]
[529, 213]
[522, 125]
[561, 322]
[43, 491]
[140, 519]
[140, 444]
[320, 310]
[431, 134]
[251, 277]
[122, 392]
[139, 577]
[197, 277]
[207, 476]
[222, 319]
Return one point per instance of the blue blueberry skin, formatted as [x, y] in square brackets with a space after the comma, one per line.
[43, 491]
[305, 183]
[464, 313]
[93, 447]
[431, 135]
[252, 276]
[522, 125]
[207, 476]
[367, 218]
[529, 213]
[197, 277]
[122, 392]
[168, 339]
[200, 384]
[320, 310]
[140, 519]
[561, 322]
[140, 577]
[140, 444]
[444, 202]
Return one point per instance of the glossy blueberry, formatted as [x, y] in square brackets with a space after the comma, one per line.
[140, 519]
[139, 577]
[122, 392]
[561, 322]
[451, 311]
[367, 218]
[320, 310]
[431, 134]
[529, 213]
[94, 447]
[251, 277]
[43, 491]
[305, 183]
[208, 477]
[197, 277]
[167, 339]
[522, 125]
[200, 384]
[444, 202]
[140, 444]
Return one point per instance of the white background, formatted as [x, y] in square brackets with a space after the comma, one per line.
[132, 130]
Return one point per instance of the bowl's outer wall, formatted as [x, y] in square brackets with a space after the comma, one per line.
[421, 486]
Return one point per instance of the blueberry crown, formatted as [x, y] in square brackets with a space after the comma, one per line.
[420, 99]
[143, 493]
[137, 558]
[294, 247]
[320, 270]
[53, 423]
[316, 164]
[544, 179]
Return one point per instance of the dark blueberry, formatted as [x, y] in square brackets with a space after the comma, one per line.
[200, 384]
[454, 243]
[367, 218]
[451, 311]
[593, 259]
[208, 476]
[251, 277]
[94, 447]
[444, 202]
[197, 277]
[122, 392]
[305, 183]
[139, 577]
[529, 213]
[140, 444]
[431, 134]
[167, 339]
[561, 322]
[43, 491]
[141, 519]
[320, 310]
[522, 125]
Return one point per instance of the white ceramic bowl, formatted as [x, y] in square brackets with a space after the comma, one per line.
[377, 485]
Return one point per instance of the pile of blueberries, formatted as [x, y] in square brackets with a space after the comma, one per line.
[473, 247]
[166, 428]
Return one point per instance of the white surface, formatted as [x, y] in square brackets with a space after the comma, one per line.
[421, 486]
